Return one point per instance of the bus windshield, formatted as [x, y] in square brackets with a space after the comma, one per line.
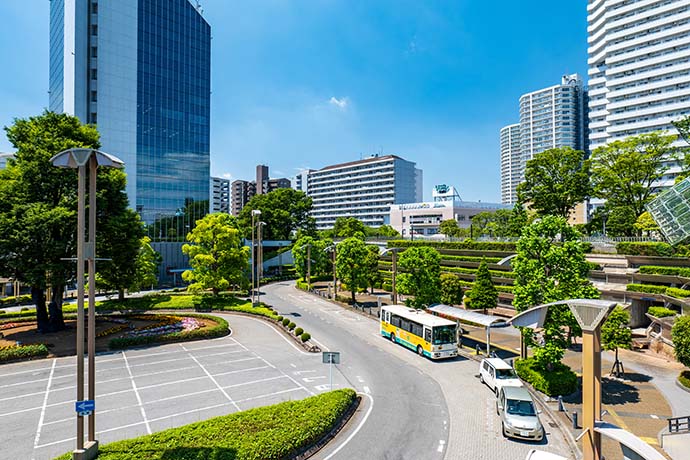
[444, 334]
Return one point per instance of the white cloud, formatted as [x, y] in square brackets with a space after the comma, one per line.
[227, 175]
[341, 103]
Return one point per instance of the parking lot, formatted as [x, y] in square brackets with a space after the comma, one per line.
[147, 390]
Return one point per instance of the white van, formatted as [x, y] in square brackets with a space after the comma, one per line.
[496, 373]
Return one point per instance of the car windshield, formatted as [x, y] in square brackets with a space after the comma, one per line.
[516, 407]
[444, 334]
[505, 374]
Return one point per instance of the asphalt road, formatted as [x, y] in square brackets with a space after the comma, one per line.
[463, 420]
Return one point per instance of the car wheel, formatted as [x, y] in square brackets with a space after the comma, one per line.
[393, 338]
[481, 377]
[498, 412]
[420, 351]
[496, 391]
[503, 430]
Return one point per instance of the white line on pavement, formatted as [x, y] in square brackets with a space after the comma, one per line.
[225, 393]
[45, 403]
[136, 393]
[290, 390]
[440, 445]
[352, 435]
[367, 390]
[277, 332]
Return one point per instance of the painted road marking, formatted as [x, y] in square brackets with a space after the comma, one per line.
[136, 393]
[354, 433]
[441, 443]
[45, 403]
[366, 390]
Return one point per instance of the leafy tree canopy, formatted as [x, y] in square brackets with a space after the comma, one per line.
[483, 294]
[556, 180]
[645, 223]
[451, 289]
[351, 264]
[285, 212]
[316, 249]
[419, 271]
[615, 332]
[680, 334]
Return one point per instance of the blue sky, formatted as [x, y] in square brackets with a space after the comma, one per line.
[311, 83]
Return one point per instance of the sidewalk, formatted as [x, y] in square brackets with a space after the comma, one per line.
[641, 402]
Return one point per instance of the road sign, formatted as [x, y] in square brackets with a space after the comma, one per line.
[331, 357]
[85, 408]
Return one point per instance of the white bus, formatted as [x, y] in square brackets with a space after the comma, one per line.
[427, 334]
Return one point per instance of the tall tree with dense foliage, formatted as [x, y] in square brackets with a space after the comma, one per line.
[216, 255]
[347, 227]
[320, 259]
[351, 264]
[624, 171]
[419, 274]
[616, 334]
[38, 204]
[556, 180]
[451, 289]
[285, 212]
[680, 334]
[483, 294]
[146, 263]
[550, 266]
[517, 221]
[449, 227]
[372, 266]
[645, 224]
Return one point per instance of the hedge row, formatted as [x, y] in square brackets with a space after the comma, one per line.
[559, 381]
[659, 270]
[656, 289]
[467, 244]
[661, 312]
[684, 379]
[657, 249]
[270, 433]
[23, 352]
[12, 300]
[473, 271]
[220, 329]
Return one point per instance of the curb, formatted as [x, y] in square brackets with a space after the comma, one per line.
[681, 386]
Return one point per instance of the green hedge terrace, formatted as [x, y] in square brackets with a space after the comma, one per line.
[654, 249]
[661, 312]
[656, 289]
[275, 432]
[660, 270]
[467, 244]
[560, 381]
[11, 300]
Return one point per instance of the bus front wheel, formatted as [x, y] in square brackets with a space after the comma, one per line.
[420, 351]
[393, 338]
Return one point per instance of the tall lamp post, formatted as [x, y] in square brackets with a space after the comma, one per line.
[255, 213]
[80, 159]
[332, 248]
[260, 260]
[394, 294]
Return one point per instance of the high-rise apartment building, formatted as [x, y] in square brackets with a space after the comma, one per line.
[242, 191]
[220, 195]
[363, 189]
[639, 69]
[549, 118]
[3, 159]
[510, 163]
[140, 71]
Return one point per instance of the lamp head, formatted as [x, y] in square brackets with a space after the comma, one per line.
[74, 158]
[256, 212]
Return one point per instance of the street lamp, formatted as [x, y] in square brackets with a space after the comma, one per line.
[332, 248]
[79, 158]
[308, 245]
[255, 213]
[394, 294]
[260, 260]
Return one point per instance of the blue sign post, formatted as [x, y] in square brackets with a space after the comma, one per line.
[85, 408]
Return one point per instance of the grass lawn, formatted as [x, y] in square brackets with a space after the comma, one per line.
[265, 433]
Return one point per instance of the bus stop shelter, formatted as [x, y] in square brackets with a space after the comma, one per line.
[469, 317]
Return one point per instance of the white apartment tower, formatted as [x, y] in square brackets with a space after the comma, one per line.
[363, 189]
[639, 68]
[510, 163]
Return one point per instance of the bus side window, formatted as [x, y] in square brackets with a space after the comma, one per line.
[427, 334]
[388, 317]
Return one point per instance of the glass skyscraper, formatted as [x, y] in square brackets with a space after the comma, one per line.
[140, 71]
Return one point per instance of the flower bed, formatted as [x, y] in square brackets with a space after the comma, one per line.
[174, 334]
[16, 352]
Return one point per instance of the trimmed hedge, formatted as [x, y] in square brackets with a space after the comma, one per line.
[654, 249]
[286, 321]
[291, 326]
[299, 331]
[220, 329]
[684, 379]
[305, 336]
[473, 271]
[270, 433]
[656, 289]
[467, 244]
[560, 381]
[23, 352]
[659, 270]
[677, 292]
[12, 300]
[661, 312]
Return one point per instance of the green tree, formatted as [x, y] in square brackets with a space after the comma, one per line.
[449, 228]
[616, 334]
[383, 230]
[451, 289]
[624, 171]
[556, 180]
[285, 211]
[320, 258]
[216, 255]
[620, 221]
[550, 266]
[517, 221]
[351, 264]
[38, 204]
[372, 266]
[347, 227]
[483, 294]
[419, 274]
[147, 263]
[680, 334]
[645, 224]
[683, 127]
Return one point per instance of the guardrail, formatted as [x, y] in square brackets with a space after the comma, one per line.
[679, 424]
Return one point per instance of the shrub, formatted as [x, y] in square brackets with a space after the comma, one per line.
[299, 331]
[451, 289]
[305, 336]
[16, 352]
[291, 326]
[286, 321]
[270, 433]
[680, 334]
[660, 270]
[678, 293]
[648, 288]
[387, 286]
[219, 330]
[684, 379]
[656, 249]
[661, 312]
[280, 318]
[559, 381]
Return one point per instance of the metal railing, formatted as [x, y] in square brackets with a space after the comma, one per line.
[679, 424]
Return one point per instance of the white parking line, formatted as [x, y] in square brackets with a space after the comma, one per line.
[136, 393]
[269, 395]
[45, 403]
[279, 333]
[354, 433]
[441, 443]
[225, 393]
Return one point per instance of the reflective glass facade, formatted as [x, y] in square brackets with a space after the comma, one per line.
[173, 110]
[56, 54]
